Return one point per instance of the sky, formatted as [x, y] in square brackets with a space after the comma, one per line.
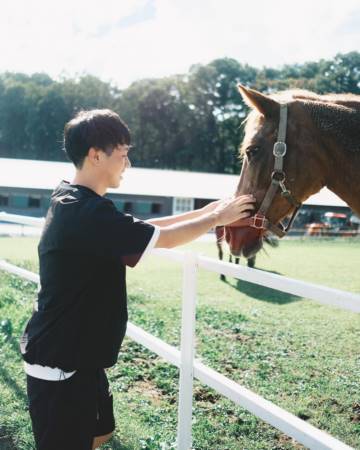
[124, 40]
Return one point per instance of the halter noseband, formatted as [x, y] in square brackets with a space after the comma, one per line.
[278, 178]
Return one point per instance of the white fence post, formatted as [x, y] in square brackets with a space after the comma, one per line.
[184, 440]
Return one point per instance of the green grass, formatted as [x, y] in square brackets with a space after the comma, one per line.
[301, 355]
[19, 249]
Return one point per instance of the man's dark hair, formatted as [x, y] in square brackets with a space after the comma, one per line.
[99, 128]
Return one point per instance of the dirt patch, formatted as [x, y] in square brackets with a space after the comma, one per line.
[148, 390]
[204, 395]
[356, 410]
[283, 440]
[241, 337]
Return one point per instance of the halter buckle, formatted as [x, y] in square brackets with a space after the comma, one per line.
[258, 221]
[279, 149]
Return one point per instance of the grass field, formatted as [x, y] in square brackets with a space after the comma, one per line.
[301, 355]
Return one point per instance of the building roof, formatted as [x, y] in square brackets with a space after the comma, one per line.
[33, 174]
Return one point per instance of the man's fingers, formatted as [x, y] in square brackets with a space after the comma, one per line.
[238, 208]
[243, 215]
[245, 199]
[242, 199]
[245, 206]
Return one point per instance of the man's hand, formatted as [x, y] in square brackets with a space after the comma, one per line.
[210, 207]
[233, 209]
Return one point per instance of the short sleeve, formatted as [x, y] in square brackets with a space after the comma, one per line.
[110, 233]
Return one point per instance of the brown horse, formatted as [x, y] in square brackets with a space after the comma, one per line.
[322, 148]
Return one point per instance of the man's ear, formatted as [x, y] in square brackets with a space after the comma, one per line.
[94, 155]
[256, 100]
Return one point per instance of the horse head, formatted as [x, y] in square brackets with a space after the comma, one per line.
[303, 166]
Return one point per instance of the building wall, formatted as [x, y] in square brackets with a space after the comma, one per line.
[29, 202]
[142, 207]
[35, 203]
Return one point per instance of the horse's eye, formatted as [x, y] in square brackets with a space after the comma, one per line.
[252, 151]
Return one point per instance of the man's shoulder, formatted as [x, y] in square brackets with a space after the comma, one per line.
[78, 205]
[67, 198]
[66, 193]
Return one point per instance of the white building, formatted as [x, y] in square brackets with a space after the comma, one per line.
[26, 186]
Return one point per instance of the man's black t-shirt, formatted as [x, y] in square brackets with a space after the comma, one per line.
[81, 314]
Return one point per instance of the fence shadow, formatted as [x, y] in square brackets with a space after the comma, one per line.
[8, 380]
[6, 443]
[263, 293]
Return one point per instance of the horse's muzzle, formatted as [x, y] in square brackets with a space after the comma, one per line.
[246, 241]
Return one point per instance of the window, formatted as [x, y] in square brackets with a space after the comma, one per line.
[4, 200]
[182, 204]
[34, 201]
[156, 208]
[143, 208]
[19, 201]
[201, 202]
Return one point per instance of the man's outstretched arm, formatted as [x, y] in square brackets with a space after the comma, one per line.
[225, 212]
[170, 220]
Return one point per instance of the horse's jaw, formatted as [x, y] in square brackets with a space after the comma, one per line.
[246, 241]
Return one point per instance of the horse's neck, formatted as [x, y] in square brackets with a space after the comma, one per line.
[340, 134]
[343, 178]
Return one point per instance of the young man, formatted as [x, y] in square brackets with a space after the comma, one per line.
[79, 320]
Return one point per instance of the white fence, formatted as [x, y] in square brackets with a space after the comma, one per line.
[291, 425]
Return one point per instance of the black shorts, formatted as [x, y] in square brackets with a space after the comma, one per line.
[68, 414]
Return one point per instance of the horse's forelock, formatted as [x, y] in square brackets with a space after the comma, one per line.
[248, 122]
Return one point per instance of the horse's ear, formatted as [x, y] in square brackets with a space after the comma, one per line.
[255, 99]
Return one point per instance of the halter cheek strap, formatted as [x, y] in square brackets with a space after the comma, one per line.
[278, 178]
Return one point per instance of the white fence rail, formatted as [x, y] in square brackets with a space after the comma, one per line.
[22, 220]
[291, 425]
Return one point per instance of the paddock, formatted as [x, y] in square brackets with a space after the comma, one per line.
[190, 367]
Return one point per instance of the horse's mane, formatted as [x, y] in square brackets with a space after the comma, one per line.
[338, 115]
[347, 100]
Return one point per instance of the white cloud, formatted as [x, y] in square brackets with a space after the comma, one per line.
[87, 36]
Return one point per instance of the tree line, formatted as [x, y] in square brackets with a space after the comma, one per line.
[189, 121]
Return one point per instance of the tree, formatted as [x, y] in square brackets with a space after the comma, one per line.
[190, 121]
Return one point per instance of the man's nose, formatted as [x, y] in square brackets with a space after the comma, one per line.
[128, 163]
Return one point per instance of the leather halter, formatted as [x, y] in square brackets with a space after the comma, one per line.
[278, 178]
